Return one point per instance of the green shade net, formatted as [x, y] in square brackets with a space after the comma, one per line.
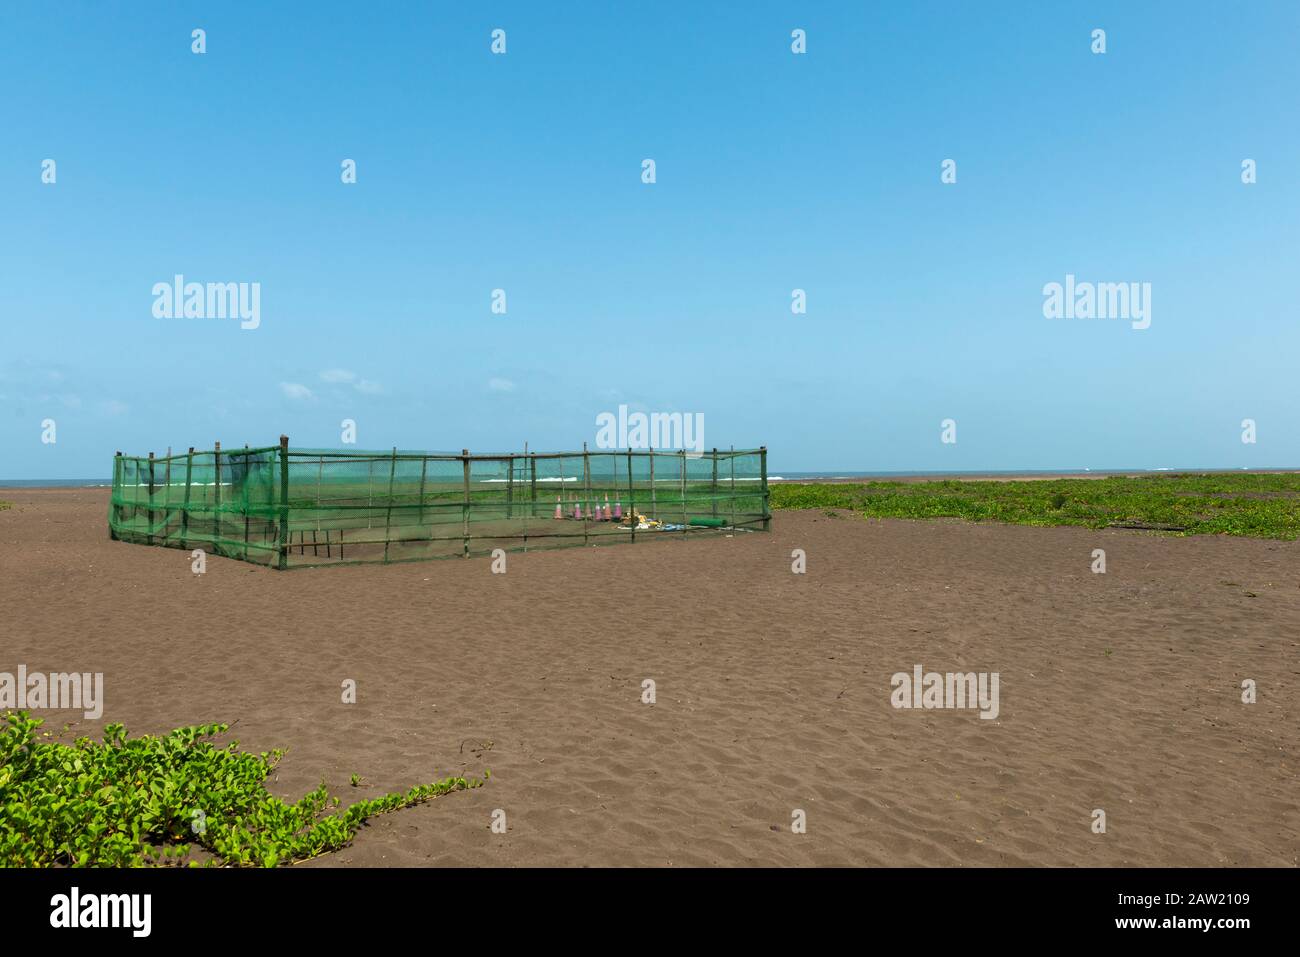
[295, 507]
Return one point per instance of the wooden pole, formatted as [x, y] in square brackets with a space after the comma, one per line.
[631, 495]
[115, 509]
[370, 492]
[685, 523]
[733, 488]
[586, 479]
[320, 474]
[464, 458]
[185, 506]
[150, 511]
[243, 505]
[424, 469]
[532, 494]
[510, 488]
[216, 494]
[284, 502]
[167, 494]
[713, 493]
[762, 461]
[388, 518]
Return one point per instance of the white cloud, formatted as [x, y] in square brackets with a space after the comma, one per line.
[348, 377]
[501, 385]
[297, 391]
[114, 407]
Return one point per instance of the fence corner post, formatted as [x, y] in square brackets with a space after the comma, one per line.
[114, 510]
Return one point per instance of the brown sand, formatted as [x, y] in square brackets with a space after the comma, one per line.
[1118, 691]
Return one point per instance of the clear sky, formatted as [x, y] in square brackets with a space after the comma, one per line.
[775, 171]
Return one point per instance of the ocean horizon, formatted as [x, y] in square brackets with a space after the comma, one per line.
[787, 475]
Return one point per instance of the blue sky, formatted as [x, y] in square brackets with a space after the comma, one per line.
[775, 171]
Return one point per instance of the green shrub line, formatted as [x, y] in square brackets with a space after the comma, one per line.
[1251, 504]
[164, 801]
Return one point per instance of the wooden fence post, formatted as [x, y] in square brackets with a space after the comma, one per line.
[243, 504]
[685, 518]
[732, 458]
[284, 502]
[216, 495]
[424, 469]
[631, 495]
[713, 494]
[114, 509]
[532, 494]
[654, 508]
[510, 487]
[149, 513]
[464, 458]
[586, 480]
[762, 460]
[185, 504]
[388, 518]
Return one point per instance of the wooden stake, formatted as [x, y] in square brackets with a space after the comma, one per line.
[654, 510]
[243, 505]
[216, 493]
[685, 523]
[284, 502]
[388, 518]
[464, 458]
[149, 513]
[631, 495]
[424, 468]
[185, 506]
[713, 494]
[586, 479]
[115, 509]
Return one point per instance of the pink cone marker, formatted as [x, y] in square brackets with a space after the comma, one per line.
[577, 511]
[559, 509]
[618, 510]
[608, 514]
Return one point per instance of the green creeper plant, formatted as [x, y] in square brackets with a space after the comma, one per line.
[174, 799]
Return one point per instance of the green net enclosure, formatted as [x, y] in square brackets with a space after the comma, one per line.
[289, 508]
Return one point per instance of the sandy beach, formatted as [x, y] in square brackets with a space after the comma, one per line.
[1118, 691]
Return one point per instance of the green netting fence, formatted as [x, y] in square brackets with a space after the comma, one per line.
[298, 507]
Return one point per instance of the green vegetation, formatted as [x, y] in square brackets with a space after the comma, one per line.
[164, 800]
[1263, 506]
[5, 505]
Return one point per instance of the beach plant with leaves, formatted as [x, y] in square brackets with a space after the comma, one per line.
[169, 800]
[1260, 505]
